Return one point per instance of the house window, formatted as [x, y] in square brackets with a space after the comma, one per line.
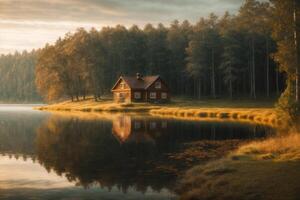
[152, 95]
[164, 95]
[121, 95]
[158, 85]
[137, 95]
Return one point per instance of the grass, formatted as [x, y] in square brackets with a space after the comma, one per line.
[265, 116]
[261, 112]
[266, 169]
[245, 180]
[90, 105]
[280, 148]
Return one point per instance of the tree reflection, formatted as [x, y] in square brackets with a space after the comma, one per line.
[17, 133]
[127, 151]
[87, 152]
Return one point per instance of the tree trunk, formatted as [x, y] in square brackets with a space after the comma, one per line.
[277, 81]
[230, 89]
[297, 48]
[195, 88]
[253, 69]
[250, 71]
[244, 83]
[230, 81]
[268, 67]
[213, 81]
[199, 89]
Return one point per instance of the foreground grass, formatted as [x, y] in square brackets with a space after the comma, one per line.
[279, 148]
[259, 170]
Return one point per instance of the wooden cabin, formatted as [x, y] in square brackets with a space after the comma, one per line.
[140, 89]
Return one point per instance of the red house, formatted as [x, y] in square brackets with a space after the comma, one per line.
[140, 89]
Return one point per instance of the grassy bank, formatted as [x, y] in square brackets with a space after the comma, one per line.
[261, 112]
[259, 170]
[90, 105]
[264, 116]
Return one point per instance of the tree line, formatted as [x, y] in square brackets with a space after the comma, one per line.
[17, 77]
[228, 56]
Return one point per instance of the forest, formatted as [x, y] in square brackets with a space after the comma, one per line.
[229, 56]
[17, 80]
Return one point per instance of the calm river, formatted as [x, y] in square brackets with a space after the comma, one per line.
[55, 156]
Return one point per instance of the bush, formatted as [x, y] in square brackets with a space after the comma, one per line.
[287, 102]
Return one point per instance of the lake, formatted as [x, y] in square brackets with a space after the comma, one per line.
[106, 156]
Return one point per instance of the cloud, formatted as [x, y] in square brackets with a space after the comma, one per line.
[118, 11]
[32, 23]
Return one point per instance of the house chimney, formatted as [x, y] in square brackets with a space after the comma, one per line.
[138, 76]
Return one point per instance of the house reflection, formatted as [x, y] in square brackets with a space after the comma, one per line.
[129, 129]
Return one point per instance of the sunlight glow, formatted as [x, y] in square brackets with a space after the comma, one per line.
[27, 174]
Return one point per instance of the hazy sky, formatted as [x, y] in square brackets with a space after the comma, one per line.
[28, 24]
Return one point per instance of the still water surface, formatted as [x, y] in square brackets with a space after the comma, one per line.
[54, 156]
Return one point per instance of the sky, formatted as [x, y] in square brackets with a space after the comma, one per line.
[29, 24]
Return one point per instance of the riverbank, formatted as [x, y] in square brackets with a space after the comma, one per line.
[259, 112]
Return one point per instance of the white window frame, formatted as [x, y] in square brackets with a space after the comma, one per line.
[152, 95]
[164, 95]
[157, 85]
[137, 95]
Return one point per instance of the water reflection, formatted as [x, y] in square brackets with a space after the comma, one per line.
[18, 130]
[128, 128]
[119, 152]
[87, 152]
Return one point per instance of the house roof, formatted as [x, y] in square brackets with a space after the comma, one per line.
[142, 83]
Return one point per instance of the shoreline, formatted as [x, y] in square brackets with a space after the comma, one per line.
[203, 111]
